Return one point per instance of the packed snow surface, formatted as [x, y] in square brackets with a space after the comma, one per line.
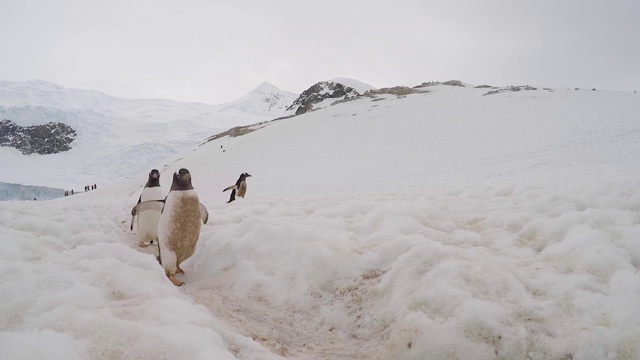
[440, 225]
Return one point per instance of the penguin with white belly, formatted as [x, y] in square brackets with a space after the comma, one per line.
[147, 230]
[179, 225]
[240, 187]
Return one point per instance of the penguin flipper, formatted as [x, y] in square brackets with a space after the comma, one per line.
[204, 214]
[229, 188]
[156, 205]
[133, 217]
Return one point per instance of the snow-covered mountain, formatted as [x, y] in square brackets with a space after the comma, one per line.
[266, 99]
[431, 223]
[40, 93]
[116, 138]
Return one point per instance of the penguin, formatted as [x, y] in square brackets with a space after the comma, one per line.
[179, 225]
[147, 230]
[240, 187]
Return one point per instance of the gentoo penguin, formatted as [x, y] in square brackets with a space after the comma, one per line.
[240, 187]
[147, 231]
[179, 225]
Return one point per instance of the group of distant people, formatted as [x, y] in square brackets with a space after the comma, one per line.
[86, 188]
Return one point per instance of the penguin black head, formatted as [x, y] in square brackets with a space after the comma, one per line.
[244, 175]
[182, 180]
[154, 178]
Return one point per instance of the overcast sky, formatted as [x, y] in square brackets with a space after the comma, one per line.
[216, 51]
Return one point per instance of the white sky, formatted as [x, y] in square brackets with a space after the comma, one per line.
[216, 51]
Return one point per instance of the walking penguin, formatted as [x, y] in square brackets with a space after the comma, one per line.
[179, 225]
[147, 230]
[240, 188]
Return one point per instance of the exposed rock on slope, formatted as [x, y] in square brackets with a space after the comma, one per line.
[399, 91]
[319, 92]
[49, 138]
[511, 88]
[434, 83]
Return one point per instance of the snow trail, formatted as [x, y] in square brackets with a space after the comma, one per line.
[491, 270]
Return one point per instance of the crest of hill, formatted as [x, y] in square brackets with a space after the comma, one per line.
[359, 86]
[266, 99]
[400, 130]
[49, 95]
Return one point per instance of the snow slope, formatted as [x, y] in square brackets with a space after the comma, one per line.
[440, 225]
[144, 132]
[266, 99]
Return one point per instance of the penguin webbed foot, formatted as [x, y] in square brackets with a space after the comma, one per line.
[179, 270]
[145, 244]
[174, 280]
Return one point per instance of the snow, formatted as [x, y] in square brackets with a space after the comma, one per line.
[441, 225]
[266, 99]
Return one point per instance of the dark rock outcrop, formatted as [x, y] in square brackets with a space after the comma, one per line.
[511, 88]
[319, 92]
[434, 83]
[399, 91]
[49, 138]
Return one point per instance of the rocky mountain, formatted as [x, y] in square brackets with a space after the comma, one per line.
[266, 99]
[319, 93]
[49, 138]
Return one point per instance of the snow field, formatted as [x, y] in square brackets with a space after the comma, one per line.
[73, 289]
[441, 225]
[493, 272]
[430, 275]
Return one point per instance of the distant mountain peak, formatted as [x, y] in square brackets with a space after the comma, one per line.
[266, 86]
[266, 99]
